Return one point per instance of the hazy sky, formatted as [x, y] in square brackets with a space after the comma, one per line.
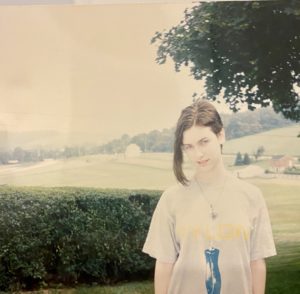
[89, 68]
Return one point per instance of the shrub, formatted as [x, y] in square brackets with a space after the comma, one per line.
[71, 235]
[292, 171]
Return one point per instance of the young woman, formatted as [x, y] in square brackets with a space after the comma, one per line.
[210, 233]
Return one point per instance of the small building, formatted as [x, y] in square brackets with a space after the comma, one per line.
[279, 163]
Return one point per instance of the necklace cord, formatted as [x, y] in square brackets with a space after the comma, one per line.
[213, 213]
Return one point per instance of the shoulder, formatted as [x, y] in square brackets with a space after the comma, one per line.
[176, 190]
[251, 192]
[175, 194]
[244, 186]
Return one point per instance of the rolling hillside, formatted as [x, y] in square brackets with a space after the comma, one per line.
[150, 170]
[276, 142]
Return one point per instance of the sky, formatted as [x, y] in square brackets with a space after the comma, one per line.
[89, 68]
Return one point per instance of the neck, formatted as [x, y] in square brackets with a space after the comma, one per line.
[213, 178]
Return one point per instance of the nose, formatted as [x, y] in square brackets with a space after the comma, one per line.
[199, 152]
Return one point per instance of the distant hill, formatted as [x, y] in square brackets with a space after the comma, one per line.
[279, 141]
[252, 122]
[236, 125]
[46, 139]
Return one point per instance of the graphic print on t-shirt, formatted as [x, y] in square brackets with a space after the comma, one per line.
[213, 276]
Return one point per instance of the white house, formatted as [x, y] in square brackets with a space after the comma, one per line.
[132, 150]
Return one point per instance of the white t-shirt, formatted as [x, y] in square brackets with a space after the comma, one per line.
[210, 256]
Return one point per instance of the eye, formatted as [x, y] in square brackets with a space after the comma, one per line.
[186, 147]
[204, 142]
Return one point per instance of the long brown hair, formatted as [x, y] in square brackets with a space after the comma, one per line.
[200, 113]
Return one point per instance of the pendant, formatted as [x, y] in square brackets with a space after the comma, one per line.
[213, 214]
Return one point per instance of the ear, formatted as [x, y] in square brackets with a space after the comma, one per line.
[221, 137]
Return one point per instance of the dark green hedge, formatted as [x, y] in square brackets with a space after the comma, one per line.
[72, 235]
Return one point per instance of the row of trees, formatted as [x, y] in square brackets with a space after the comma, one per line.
[20, 155]
[237, 125]
[155, 141]
[246, 159]
[252, 122]
[34, 155]
[240, 124]
[242, 160]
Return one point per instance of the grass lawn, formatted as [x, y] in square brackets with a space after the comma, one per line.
[283, 200]
[127, 288]
[284, 270]
[130, 288]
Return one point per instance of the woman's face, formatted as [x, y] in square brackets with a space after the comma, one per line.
[202, 147]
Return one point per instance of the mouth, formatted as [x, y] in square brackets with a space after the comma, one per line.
[202, 162]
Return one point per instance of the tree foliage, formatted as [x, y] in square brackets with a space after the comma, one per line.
[238, 159]
[259, 152]
[247, 51]
[242, 160]
[247, 159]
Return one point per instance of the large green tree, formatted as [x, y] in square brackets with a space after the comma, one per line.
[249, 51]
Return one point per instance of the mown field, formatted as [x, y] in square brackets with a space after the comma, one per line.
[149, 171]
[152, 171]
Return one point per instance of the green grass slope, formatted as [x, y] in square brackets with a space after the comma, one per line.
[276, 142]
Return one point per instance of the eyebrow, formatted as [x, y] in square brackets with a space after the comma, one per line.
[202, 139]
